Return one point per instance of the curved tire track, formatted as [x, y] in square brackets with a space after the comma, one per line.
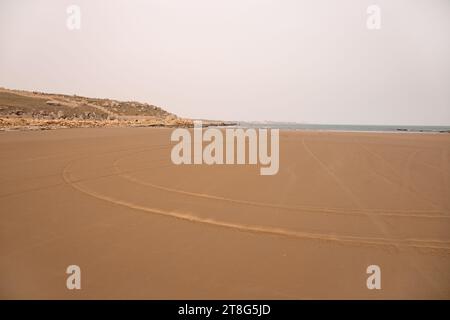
[303, 209]
[431, 245]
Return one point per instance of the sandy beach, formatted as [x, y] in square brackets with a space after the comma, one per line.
[110, 201]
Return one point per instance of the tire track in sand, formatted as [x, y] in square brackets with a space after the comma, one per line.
[302, 209]
[430, 245]
[406, 187]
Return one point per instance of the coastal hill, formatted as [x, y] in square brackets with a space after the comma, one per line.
[37, 110]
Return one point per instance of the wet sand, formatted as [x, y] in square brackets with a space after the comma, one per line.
[111, 201]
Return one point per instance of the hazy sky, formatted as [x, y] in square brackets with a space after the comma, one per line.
[282, 60]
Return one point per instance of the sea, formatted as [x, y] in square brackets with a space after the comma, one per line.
[344, 127]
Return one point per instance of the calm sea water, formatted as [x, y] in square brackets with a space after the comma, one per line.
[341, 127]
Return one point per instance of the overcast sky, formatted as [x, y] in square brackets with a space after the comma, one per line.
[282, 60]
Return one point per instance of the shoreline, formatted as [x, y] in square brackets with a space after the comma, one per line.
[30, 124]
[55, 125]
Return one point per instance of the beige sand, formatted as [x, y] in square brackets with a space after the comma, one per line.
[110, 201]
